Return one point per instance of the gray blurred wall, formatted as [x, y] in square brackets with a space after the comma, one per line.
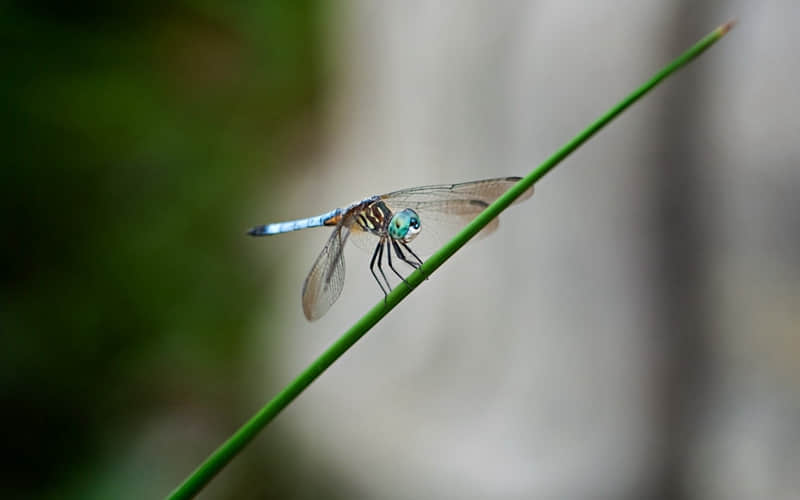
[629, 332]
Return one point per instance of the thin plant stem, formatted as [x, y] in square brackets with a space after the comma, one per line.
[230, 448]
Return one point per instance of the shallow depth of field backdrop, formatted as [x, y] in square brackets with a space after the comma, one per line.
[630, 332]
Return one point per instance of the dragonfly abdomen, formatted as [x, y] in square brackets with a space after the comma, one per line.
[294, 225]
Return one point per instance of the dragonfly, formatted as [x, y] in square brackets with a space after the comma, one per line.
[387, 225]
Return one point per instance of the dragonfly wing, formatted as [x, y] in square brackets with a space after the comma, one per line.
[362, 239]
[445, 209]
[485, 191]
[325, 281]
[442, 214]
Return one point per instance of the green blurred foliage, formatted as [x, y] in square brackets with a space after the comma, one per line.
[135, 139]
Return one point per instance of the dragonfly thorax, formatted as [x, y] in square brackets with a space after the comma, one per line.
[373, 217]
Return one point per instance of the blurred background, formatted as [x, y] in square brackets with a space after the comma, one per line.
[630, 332]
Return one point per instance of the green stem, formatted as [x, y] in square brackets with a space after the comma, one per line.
[219, 458]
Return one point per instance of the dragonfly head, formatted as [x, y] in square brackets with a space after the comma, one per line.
[404, 225]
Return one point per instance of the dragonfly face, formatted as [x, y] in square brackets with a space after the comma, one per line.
[404, 225]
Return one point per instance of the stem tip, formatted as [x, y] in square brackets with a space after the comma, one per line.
[726, 27]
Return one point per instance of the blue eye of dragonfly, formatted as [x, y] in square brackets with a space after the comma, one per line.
[393, 219]
[404, 225]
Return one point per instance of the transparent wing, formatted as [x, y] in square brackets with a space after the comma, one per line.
[486, 191]
[445, 209]
[362, 239]
[325, 281]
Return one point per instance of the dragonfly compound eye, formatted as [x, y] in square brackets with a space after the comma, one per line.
[404, 225]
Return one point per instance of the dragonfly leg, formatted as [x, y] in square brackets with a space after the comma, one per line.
[400, 256]
[419, 261]
[382, 245]
[380, 265]
[378, 256]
